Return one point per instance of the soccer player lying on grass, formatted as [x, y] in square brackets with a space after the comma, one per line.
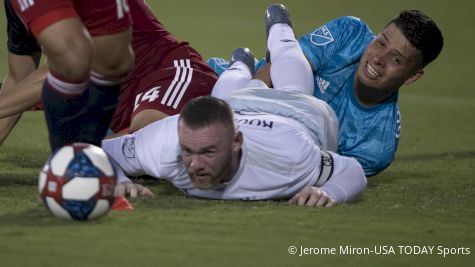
[359, 74]
[273, 146]
[166, 75]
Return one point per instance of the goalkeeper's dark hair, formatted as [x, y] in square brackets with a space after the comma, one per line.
[206, 110]
[422, 33]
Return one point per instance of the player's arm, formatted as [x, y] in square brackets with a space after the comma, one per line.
[142, 153]
[345, 185]
[115, 148]
[125, 187]
[19, 91]
[348, 180]
[20, 96]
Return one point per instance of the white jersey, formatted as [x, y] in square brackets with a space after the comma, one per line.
[279, 158]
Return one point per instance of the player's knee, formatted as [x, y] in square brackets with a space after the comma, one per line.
[74, 61]
[69, 49]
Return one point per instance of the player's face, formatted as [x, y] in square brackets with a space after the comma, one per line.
[207, 153]
[389, 61]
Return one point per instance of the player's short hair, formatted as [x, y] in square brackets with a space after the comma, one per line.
[206, 110]
[422, 33]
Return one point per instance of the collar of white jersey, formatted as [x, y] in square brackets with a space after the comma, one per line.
[242, 165]
[326, 168]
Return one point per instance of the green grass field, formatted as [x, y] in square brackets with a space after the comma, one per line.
[425, 198]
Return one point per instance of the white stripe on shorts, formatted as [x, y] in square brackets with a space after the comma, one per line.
[180, 83]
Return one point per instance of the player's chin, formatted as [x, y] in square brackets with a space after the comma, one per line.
[203, 182]
[369, 84]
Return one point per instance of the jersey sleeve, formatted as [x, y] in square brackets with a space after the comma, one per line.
[153, 150]
[343, 39]
[347, 181]
[20, 40]
[158, 150]
[344, 182]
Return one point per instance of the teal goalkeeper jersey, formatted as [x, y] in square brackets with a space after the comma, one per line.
[369, 135]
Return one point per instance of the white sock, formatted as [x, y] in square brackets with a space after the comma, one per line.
[290, 70]
[102, 80]
[65, 87]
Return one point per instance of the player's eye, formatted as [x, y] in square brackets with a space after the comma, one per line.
[186, 151]
[208, 153]
[396, 60]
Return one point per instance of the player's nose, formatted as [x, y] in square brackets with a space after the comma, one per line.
[196, 163]
[377, 59]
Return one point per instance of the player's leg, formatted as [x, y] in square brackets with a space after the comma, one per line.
[241, 70]
[109, 70]
[290, 69]
[144, 118]
[64, 91]
[109, 24]
[69, 48]
[57, 27]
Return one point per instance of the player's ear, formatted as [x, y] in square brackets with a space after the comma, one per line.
[238, 140]
[419, 73]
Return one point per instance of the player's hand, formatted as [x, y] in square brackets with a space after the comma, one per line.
[312, 196]
[133, 190]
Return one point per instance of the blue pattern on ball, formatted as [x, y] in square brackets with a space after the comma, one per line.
[80, 166]
[79, 210]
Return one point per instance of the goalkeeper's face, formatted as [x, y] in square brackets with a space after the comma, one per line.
[389, 62]
[208, 154]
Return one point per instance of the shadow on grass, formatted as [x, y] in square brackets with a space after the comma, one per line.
[436, 156]
[11, 179]
[166, 200]
[390, 176]
[37, 217]
[21, 161]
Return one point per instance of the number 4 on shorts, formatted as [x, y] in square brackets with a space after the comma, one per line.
[150, 95]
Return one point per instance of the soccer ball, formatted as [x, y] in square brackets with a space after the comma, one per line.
[77, 182]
